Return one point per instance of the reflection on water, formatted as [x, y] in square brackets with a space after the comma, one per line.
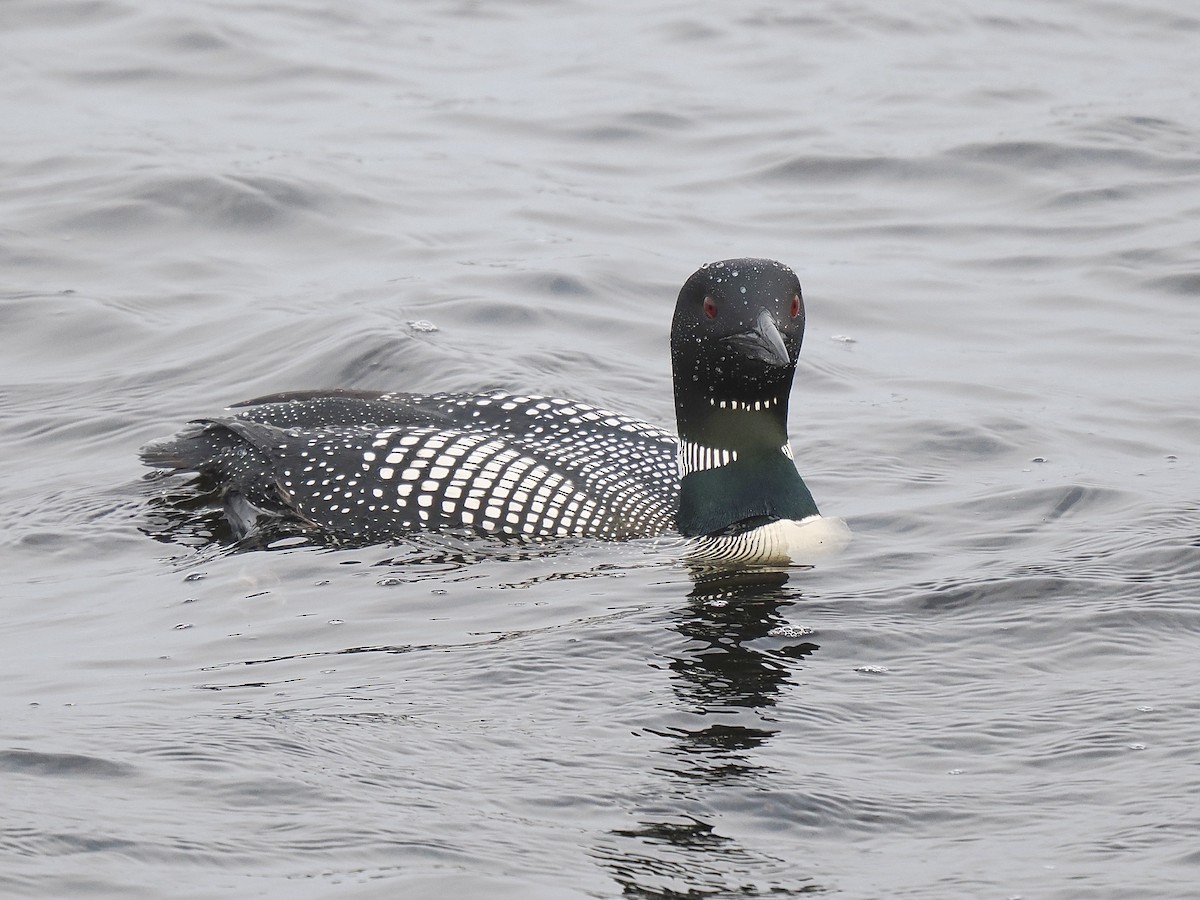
[719, 673]
[721, 669]
[685, 857]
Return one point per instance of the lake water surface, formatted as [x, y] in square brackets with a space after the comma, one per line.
[994, 209]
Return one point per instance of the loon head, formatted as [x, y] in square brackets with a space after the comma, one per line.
[735, 339]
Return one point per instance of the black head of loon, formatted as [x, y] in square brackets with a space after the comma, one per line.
[735, 339]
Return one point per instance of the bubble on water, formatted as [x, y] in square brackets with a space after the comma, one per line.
[955, 772]
[336, 622]
[183, 626]
[421, 326]
[789, 631]
[1145, 709]
[196, 576]
[1137, 746]
[844, 339]
[872, 669]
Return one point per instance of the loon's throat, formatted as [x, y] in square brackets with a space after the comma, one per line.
[735, 464]
[744, 426]
[761, 485]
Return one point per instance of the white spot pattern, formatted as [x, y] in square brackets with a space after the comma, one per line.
[496, 462]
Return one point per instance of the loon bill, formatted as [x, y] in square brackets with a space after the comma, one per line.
[360, 467]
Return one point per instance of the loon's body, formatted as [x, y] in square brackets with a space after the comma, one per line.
[368, 466]
[361, 467]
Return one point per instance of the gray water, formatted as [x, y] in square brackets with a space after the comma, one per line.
[994, 209]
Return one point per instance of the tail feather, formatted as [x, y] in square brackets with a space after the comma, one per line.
[185, 452]
[235, 466]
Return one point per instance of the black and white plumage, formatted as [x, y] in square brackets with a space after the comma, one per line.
[362, 467]
[367, 466]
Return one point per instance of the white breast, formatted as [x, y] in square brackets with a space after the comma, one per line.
[783, 542]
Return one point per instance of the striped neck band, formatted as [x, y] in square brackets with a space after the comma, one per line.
[695, 457]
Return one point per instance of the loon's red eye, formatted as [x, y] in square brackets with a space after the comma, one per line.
[710, 307]
[795, 305]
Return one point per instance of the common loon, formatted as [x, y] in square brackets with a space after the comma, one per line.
[359, 467]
